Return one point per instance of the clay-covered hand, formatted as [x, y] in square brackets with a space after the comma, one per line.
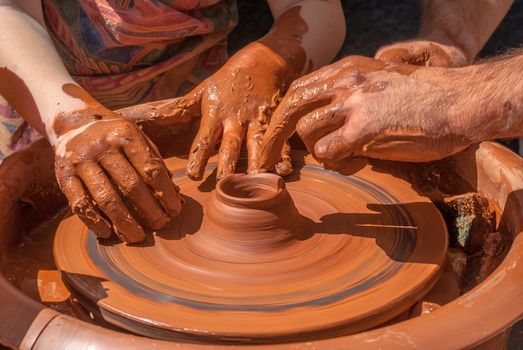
[112, 175]
[364, 107]
[422, 53]
[236, 103]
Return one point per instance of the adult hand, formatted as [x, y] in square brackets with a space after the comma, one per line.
[111, 174]
[422, 53]
[237, 101]
[364, 107]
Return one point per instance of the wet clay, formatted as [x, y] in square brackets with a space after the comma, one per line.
[112, 175]
[417, 53]
[319, 256]
[236, 103]
[41, 328]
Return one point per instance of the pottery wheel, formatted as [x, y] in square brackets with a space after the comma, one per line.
[351, 253]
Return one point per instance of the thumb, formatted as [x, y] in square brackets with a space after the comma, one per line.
[165, 112]
[338, 145]
[393, 54]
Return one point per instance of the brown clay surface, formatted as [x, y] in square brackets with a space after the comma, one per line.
[259, 260]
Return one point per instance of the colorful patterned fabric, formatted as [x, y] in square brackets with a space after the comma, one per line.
[15, 134]
[126, 52]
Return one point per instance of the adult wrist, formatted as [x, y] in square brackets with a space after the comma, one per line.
[491, 101]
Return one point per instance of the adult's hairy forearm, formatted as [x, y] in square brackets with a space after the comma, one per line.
[465, 24]
[492, 98]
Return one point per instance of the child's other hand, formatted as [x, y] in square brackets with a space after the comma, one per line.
[236, 103]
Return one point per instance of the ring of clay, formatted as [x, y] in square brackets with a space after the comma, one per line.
[260, 260]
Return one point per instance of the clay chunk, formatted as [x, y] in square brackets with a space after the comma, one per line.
[481, 265]
[457, 261]
[469, 220]
[494, 250]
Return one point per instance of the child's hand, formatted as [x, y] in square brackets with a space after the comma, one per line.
[112, 174]
[235, 102]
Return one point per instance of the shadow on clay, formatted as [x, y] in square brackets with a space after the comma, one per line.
[512, 213]
[209, 184]
[433, 178]
[114, 240]
[349, 166]
[91, 284]
[187, 222]
[377, 226]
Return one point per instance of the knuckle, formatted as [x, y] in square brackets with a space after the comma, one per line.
[130, 184]
[306, 124]
[328, 150]
[90, 216]
[295, 85]
[125, 125]
[320, 150]
[153, 169]
[298, 84]
[348, 60]
[203, 145]
[79, 206]
[301, 127]
[108, 201]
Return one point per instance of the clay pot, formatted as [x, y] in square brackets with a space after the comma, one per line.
[475, 319]
[272, 218]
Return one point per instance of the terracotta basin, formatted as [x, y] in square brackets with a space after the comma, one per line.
[479, 318]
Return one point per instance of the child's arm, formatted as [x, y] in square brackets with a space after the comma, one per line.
[316, 27]
[31, 72]
[93, 145]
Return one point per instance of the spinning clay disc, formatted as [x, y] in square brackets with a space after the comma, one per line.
[257, 259]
